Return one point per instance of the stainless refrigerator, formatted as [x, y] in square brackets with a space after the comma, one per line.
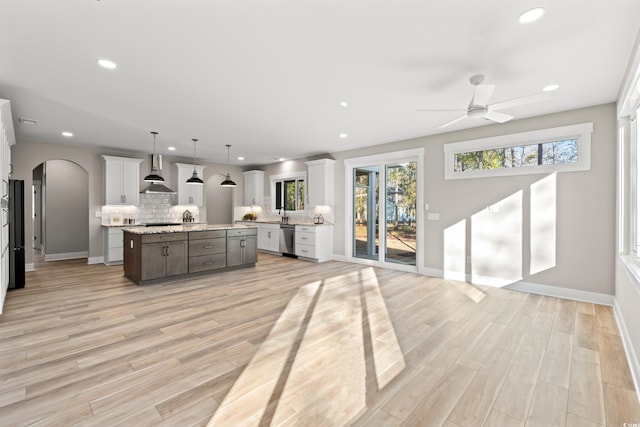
[16, 234]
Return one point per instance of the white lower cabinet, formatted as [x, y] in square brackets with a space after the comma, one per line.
[314, 242]
[269, 237]
[113, 238]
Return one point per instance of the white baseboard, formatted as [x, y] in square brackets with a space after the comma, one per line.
[634, 365]
[433, 272]
[29, 266]
[566, 293]
[534, 288]
[67, 255]
[95, 260]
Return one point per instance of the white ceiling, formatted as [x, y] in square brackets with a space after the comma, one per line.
[268, 76]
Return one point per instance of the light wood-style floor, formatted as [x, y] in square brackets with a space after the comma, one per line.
[296, 343]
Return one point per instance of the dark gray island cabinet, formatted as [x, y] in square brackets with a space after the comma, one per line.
[160, 253]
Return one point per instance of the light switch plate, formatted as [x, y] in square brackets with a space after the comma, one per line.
[433, 216]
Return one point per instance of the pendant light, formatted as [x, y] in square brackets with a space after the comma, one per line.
[227, 181]
[154, 176]
[194, 178]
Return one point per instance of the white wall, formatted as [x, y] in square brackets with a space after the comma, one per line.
[584, 240]
[66, 207]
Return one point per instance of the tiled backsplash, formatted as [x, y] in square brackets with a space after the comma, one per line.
[264, 213]
[152, 208]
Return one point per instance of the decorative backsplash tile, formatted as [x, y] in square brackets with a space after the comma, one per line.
[152, 208]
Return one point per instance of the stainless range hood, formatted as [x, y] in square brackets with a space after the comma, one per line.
[156, 169]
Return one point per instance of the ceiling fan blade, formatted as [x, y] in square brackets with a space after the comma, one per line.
[497, 116]
[523, 100]
[481, 94]
[456, 120]
[443, 109]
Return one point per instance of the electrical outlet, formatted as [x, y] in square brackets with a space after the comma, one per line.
[98, 214]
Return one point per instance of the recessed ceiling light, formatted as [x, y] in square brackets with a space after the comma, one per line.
[344, 104]
[240, 158]
[282, 159]
[550, 88]
[343, 135]
[171, 148]
[105, 63]
[67, 134]
[531, 15]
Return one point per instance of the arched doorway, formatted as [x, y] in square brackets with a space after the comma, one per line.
[219, 201]
[60, 210]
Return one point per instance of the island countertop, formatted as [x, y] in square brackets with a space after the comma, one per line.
[184, 228]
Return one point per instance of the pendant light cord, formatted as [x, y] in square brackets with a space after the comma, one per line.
[194, 153]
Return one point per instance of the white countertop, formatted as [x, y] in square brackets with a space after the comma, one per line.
[183, 228]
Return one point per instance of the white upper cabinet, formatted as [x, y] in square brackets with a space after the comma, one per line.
[121, 180]
[189, 194]
[253, 188]
[320, 182]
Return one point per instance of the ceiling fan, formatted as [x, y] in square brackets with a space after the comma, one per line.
[479, 106]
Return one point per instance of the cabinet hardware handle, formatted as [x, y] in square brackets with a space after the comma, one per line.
[165, 237]
[269, 234]
[243, 243]
[208, 246]
[124, 198]
[208, 263]
[303, 238]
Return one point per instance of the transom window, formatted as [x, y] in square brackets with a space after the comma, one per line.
[561, 149]
[545, 153]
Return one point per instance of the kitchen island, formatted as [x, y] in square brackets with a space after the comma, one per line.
[159, 253]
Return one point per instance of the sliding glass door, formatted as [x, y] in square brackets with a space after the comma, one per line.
[384, 217]
[400, 213]
[365, 208]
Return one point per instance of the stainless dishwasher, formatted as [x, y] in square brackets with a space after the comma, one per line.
[287, 239]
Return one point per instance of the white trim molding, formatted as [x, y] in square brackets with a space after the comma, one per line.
[566, 293]
[95, 260]
[634, 364]
[580, 131]
[533, 288]
[67, 255]
[29, 266]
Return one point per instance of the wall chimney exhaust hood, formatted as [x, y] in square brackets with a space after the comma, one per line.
[157, 187]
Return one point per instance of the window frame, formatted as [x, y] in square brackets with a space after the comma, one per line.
[581, 132]
[634, 187]
[282, 179]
